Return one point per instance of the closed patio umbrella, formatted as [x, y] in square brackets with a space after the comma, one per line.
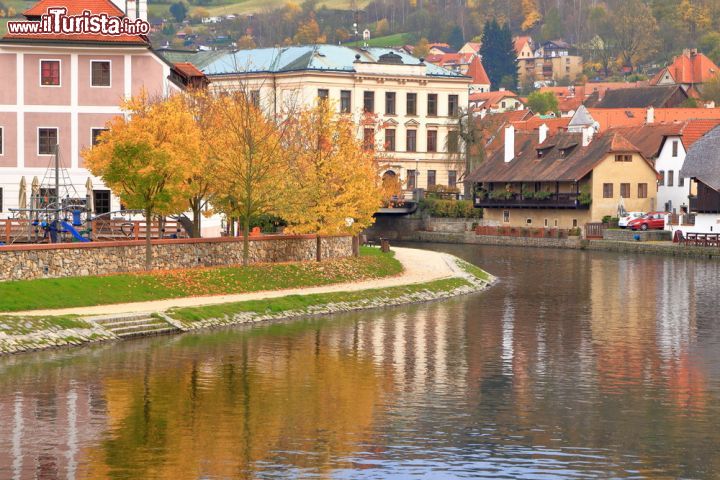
[35, 194]
[22, 197]
[90, 196]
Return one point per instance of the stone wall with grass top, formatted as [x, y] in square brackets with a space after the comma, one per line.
[26, 262]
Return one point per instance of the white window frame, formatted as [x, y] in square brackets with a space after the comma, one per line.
[2, 141]
[92, 129]
[91, 73]
[60, 70]
[37, 148]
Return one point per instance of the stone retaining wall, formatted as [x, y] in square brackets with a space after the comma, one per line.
[629, 235]
[473, 238]
[404, 228]
[24, 262]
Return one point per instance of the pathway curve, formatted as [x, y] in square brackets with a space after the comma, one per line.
[420, 266]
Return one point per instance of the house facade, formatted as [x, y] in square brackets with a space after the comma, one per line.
[702, 166]
[562, 181]
[61, 90]
[550, 62]
[405, 107]
[691, 69]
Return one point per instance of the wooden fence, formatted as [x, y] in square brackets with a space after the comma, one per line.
[14, 230]
[595, 230]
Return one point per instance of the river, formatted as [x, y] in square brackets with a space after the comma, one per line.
[575, 365]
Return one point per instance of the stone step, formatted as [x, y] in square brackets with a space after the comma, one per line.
[118, 318]
[112, 325]
[149, 329]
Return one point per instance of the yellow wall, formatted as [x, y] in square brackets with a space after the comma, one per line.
[635, 172]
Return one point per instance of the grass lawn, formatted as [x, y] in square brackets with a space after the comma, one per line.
[24, 325]
[138, 287]
[298, 302]
[395, 40]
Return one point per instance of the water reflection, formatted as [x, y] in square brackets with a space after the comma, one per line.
[576, 365]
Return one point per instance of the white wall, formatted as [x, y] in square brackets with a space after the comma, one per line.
[678, 193]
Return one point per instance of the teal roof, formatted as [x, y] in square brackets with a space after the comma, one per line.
[324, 58]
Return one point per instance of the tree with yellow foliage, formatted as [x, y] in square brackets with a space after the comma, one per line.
[531, 14]
[247, 155]
[143, 157]
[334, 184]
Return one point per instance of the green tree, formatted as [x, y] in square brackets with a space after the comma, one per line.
[553, 28]
[543, 102]
[498, 54]
[456, 39]
[179, 11]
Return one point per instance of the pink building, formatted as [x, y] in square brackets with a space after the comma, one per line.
[63, 89]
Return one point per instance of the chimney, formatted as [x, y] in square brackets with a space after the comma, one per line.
[587, 135]
[509, 143]
[650, 117]
[131, 9]
[142, 10]
[543, 130]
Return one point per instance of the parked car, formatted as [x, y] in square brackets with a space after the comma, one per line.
[628, 217]
[652, 220]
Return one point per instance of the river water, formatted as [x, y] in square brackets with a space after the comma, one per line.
[575, 365]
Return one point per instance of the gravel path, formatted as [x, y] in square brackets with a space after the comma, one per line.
[420, 266]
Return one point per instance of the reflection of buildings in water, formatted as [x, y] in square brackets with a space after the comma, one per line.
[676, 311]
[29, 441]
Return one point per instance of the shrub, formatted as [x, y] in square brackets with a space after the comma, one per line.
[542, 195]
[606, 219]
[450, 208]
[575, 232]
[501, 195]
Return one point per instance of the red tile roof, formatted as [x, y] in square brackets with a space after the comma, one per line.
[492, 98]
[77, 7]
[477, 72]
[689, 68]
[188, 69]
[554, 124]
[694, 130]
[520, 43]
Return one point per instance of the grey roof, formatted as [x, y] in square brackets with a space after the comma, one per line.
[703, 160]
[582, 118]
[324, 58]
[642, 97]
[198, 58]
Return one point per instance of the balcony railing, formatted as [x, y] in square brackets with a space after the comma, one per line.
[555, 200]
[705, 204]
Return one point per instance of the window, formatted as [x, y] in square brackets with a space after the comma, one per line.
[47, 141]
[528, 221]
[453, 105]
[100, 73]
[452, 178]
[432, 141]
[101, 200]
[642, 190]
[625, 190]
[411, 175]
[556, 222]
[411, 141]
[661, 181]
[323, 94]
[675, 148]
[1, 199]
[2, 150]
[502, 104]
[575, 224]
[345, 101]
[390, 140]
[95, 132]
[623, 158]
[546, 223]
[389, 103]
[506, 216]
[607, 190]
[432, 105]
[369, 139]
[50, 73]
[453, 141]
[431, 178]
[670, 178]
[255, 97]
[411, 106]
[681, 180]
[369, 102]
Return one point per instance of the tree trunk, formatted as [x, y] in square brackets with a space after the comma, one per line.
[318, 248]
[246, 240]
[196, 220]
[148, 236]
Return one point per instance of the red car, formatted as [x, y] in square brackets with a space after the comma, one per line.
[649, 221]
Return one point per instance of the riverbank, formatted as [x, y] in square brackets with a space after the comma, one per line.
[572, 243]
[427, 276]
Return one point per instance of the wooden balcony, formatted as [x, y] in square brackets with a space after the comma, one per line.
[706, 201]
[556, 200]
